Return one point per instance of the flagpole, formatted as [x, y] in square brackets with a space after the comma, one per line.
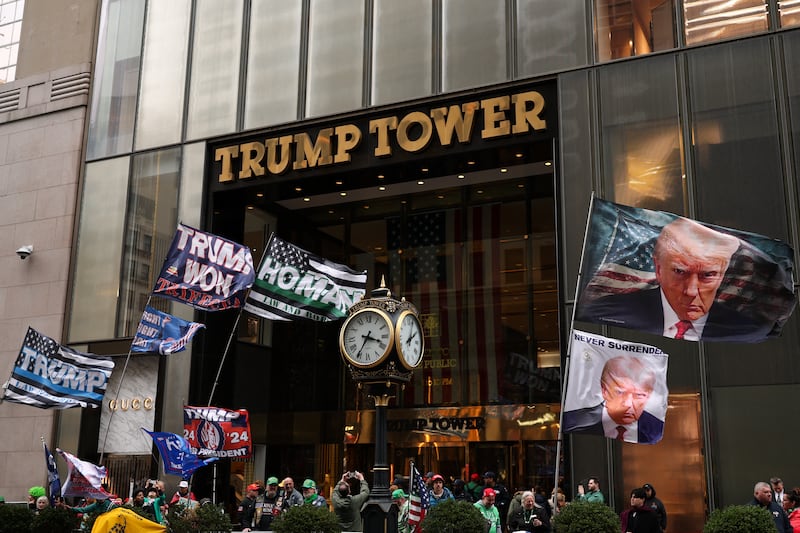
[567, 359]
[119, 388]
[410, 484]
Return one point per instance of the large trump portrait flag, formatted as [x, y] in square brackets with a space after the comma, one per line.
[616, 389]
[672, 276]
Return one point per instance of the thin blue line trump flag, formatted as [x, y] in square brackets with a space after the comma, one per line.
[205, 271]
[178, 458]
[48, 375]
[163, 333]
[672, 276]
[616, 389]
[293, 283]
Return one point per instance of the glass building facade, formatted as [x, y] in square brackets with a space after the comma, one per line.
[677, 105]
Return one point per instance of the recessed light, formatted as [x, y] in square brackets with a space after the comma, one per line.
[381, 188]
[504, 170]
[547, 163]
[420, 182]
[381, 176]
[260, 195]
[440, 196]
[424, 170]
[479, 191]
[461, 176]
[519, 155]
[342, 193]
[470, 162]
[306, 199]
[298, 189]
[250, 207]
[338, 182]
[521, 186]
[330, 211]
[366, 207]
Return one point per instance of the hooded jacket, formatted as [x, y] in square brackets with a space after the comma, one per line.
[348, 508]
[657, 506]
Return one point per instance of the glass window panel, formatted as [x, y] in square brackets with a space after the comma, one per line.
[576, 167]
[99, 251]
[551, 36]
[149, 230]
[641, 139]
[116, 78]
[191, 196]
[216, 53]
[335, 56]
[715, 20]
[5, 34]
[273, 63]
[5, 56]
[790, 12]
[16, 33]
[633, 27]
[8, 13]
[736, 149]
[166, 42]
[401, 61]
[474, 43]
[792, 53]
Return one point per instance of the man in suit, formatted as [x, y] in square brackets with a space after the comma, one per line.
[690, 263]
[626, 383]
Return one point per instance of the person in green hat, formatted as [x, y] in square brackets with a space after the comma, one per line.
[265, 508]
[33, 494]
[310, 496]
[400, 499]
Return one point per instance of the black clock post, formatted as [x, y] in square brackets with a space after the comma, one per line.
[381, 341]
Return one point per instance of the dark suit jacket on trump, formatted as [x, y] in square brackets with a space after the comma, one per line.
[642, 310]
[590, 420]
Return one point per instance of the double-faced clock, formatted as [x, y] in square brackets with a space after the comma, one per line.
[366, 337]
[408, 340]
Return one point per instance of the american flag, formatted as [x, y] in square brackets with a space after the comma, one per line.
[419, 500]
[292, 283]
[53, 479]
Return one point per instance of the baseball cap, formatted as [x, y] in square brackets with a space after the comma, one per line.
[429, 475]
[437, 477]
[272, 481]
[252, 486]
[2, 499]
[490, 474]
[398, 493]
[309, 484]
[184, 484]
[489, 492]
[475, 477]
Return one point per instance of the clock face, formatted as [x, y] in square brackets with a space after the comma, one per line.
[409, 340]
[366, 337]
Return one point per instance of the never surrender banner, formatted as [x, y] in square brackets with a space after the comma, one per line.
[163, 333]
[205, 271]
[217, 432]
[293, 283]
[672, 276]
[48, 375]
[84, 479]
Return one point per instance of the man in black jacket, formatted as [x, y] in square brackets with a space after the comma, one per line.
[762, 497]
[656, 505]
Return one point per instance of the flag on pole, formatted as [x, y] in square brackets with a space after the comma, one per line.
[122, 519]
[217, 432]
[84, 479]
[163, 333]
[53, 480]
[616, 388]
[178, 458]
[419, 500]
[48, 375]
[668, 275]
[292, 283]
[205, 271]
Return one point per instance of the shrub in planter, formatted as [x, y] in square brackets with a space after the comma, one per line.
[453, 516]
[738, 518]
[579, 517]
[306, 519]
[54, 520]
[202, 518]
[15, 519]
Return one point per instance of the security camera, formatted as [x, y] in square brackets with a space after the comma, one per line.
[25, 251]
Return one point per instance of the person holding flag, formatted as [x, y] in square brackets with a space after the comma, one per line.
[399, 498]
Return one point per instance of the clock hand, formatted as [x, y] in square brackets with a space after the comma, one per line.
[366, 338]
[408, 340]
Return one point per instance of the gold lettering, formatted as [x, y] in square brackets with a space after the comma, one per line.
[148, 403]
[252, 154]
[348, 137]
[424, 139]
[136, 403]
[495, 122]
[278, 163]
[382, 127]
[524, 116]
[124, 404]
[449, 120]
[309, 155]
[226, 155]
[112, 405]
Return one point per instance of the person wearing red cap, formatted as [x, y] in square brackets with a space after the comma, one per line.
[439, 492]
[474, 486]
[246, 506]
[489, 510]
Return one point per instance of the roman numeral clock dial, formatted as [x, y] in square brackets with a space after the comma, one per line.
[366, 337]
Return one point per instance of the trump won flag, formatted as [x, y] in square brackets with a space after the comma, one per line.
[672, 276]
[616, 389]
[205, 271]
[293, 283]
